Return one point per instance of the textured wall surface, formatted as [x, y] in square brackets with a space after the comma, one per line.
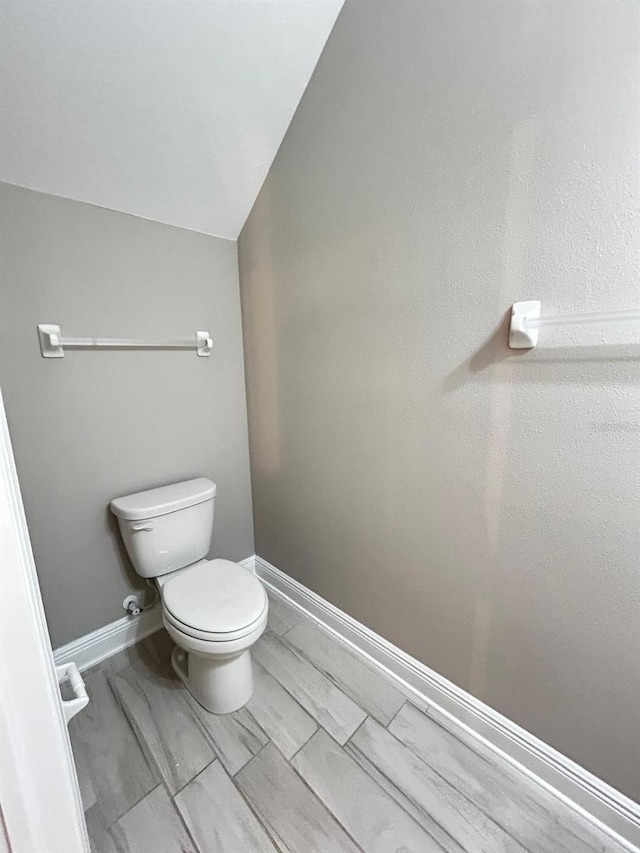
[100, 99]
[98, 424]
[475, 505]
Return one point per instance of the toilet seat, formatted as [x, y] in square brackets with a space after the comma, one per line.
[212, 636]
[215, 600]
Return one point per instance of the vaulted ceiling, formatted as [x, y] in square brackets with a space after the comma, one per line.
[171, 110]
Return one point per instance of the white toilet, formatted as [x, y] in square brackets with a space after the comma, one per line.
[215, 610]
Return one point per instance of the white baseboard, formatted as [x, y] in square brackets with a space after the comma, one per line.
[612, 811]
[99, 645]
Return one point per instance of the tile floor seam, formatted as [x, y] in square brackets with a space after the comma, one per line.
[481, 808]
[289, 760]
[174, 806]
[370, 662]
[138, 734]
[355, 748]
[257, 724]
[417, 806]
[137, 803]
[320, 800]
[198, 722]
[499, 755]
[255, 755]
[284, 687]
[490, 818]
[303, 618]
[394, 681]
[285, 603]
[462, 793]
[392, 720]
[315, 797]
[357, 652]
[348, 740]
[211, 739]
[294, 700]
[333, 679]
[495, 765]
[193, 778]
[250, 805]
[377, 784]
[154, 771]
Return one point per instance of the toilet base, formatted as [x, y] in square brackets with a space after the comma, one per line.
[221, 684]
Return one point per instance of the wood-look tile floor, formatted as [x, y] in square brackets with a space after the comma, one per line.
[327, 756]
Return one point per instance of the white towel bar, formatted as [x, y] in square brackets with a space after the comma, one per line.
[52, 344]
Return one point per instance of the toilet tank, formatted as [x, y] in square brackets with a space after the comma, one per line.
[167, 528]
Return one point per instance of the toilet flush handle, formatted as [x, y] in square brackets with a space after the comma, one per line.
[144, 525]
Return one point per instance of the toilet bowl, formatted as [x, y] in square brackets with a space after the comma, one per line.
[214, 610]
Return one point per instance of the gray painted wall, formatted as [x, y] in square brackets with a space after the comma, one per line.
[476, 506]
[97, 424]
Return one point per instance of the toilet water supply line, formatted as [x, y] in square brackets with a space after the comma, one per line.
[131, 605]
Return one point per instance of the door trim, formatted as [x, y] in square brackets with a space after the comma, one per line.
[39, 793]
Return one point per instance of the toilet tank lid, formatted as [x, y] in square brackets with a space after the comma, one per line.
[164, 500]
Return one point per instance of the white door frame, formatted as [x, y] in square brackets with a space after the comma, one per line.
[39, 794]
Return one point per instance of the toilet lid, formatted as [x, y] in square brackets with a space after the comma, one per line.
[217, 596]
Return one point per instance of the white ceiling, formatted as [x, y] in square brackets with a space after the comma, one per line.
[168, 109]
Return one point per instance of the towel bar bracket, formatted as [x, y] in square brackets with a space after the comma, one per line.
[520, 335]
[50, 345]
[526, 322]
